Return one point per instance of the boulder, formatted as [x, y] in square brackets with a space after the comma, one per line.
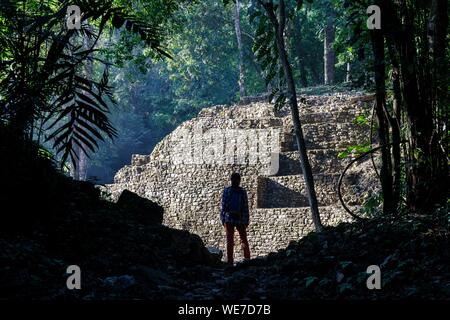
[151, 276]
[216, 252]
[190, 248]
[143, 210]
[120, 282]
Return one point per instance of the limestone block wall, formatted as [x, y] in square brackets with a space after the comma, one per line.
[321, 160]
[276, 227]
[190, 191]
[290, 191]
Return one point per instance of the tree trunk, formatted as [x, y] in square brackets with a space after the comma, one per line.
[383, 125]
[237, 26]
[395, 125]
[315, 73]
[425, 180]
[74, 172]
[348, 76]
[82, 164]
[82, 156]
[279, 26]
[329, 56]
[427, 168]
[438, 26]
[299, 51]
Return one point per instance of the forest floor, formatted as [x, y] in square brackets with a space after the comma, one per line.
[124, 255]
[413, 253]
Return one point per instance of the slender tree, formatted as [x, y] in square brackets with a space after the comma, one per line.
[299, 50]
[348, 74]
[383, 127]
[279, 24]
[237, 26]
[329, 55]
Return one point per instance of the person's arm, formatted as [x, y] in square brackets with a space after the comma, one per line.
[222, 209]
[245, 214]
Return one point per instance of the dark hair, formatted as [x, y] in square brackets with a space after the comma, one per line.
[235, 175]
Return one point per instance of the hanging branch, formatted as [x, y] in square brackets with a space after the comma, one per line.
[341, 177]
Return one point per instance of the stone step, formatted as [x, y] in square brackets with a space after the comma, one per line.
[290, 191]
[334, 104]
[321, 161]
[269, 226]
[284, 119]
[331, 104]
[139, 159]
[327, 117]
[292, 217]
[327, 136]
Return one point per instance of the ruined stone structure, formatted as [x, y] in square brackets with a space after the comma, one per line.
[191, 191]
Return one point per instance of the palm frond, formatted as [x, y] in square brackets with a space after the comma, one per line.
[42, 76]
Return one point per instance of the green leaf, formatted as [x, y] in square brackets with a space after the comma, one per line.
[345, 264]
[344, 287]
[310, 280]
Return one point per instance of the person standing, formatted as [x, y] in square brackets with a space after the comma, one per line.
[234, 215]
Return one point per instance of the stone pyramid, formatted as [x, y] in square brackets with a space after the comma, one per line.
[190, 191]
